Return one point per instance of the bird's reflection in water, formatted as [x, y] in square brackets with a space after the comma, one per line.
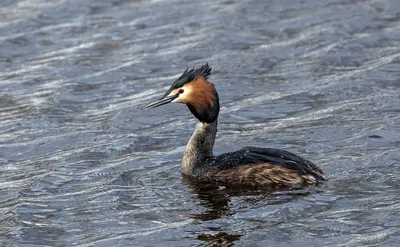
[219, 239]
[216, 199]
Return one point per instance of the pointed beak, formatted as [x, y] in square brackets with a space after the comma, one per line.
[160, 102]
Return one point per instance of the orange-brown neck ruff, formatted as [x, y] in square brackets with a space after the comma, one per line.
[203, 101]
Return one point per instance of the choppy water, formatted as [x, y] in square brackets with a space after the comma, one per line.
[82, 165]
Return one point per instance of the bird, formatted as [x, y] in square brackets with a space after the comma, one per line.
[249, 166]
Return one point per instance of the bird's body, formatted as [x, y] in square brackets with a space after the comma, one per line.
[250, 166]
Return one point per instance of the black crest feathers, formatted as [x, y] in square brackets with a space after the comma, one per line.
[190, 74]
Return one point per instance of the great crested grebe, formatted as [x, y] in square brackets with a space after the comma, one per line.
[251, 166]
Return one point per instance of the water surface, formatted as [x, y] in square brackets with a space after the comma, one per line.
[82, 165]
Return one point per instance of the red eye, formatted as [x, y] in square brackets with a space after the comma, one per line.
[181, 91]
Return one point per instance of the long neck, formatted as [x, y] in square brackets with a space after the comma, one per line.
[200, 147]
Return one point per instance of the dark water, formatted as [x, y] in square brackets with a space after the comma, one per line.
[82, 165]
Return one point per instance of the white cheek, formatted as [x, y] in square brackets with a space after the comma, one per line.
[180, 98]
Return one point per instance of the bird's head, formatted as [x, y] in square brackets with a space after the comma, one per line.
[193, 89]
